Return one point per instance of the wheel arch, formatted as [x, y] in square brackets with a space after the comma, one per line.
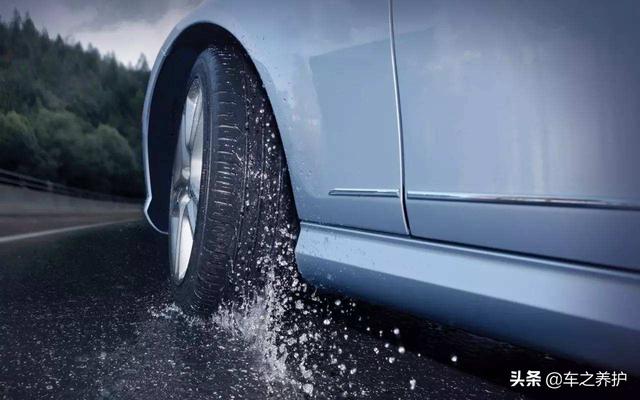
[163, 105]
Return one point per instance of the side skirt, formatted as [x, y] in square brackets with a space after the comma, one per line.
[581, 312]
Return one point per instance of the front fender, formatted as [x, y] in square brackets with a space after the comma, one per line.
[327, 70]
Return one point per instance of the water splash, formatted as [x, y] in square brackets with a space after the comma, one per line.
[257, 321]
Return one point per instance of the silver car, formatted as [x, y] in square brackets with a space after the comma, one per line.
[470, 161]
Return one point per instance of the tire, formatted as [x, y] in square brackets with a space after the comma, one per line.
[246, 223]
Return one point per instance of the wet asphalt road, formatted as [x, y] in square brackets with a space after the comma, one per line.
[88, 315]
[18, 224]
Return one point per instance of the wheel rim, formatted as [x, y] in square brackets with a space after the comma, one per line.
[185, 183]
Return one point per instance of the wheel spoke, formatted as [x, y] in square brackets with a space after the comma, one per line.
[193, 109]
[185, 160]
[174, 231]
[181, 157]
[191, 214]
[195, 171]
[190, 106]
[183, 237]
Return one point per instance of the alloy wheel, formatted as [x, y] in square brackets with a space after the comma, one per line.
[185, 183]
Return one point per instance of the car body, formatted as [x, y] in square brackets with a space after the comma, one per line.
[468, 161]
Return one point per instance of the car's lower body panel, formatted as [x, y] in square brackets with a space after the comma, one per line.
[585, 313]
[579, 232]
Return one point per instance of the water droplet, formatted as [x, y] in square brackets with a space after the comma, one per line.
[454, 358]
[308, 388]
[401, 350]
[396, 331]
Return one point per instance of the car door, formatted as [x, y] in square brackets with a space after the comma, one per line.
[521, 125]
[357, 180]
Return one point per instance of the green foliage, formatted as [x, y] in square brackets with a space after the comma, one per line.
[68, 114]
[19, 149]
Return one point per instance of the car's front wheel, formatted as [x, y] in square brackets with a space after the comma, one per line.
[232, 217]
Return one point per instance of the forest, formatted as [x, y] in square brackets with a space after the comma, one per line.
[69, 114]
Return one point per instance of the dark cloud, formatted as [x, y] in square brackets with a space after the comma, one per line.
[112, 12]
[109, 25]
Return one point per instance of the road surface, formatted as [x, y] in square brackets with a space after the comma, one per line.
[88, 314]
[26, 211]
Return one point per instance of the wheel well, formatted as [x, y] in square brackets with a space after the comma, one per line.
[166, 107]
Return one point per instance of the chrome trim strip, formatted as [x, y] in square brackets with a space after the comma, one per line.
[365, 192]
[396, 92]
[523, 200]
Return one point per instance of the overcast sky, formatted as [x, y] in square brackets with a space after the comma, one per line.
[126, 27]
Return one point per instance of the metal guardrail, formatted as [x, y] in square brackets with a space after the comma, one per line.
[20, 180]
